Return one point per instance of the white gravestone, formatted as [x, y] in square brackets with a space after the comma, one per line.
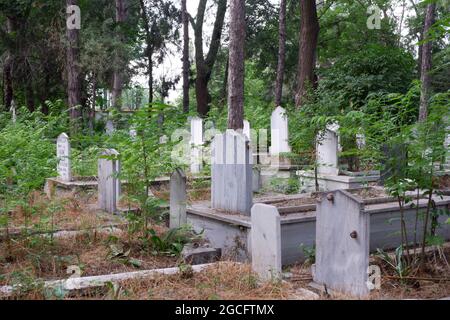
[108, 181]
[178, 199]
[266, 242]
[342, 244]
[327, 149]
[447, 146]
[360, 141]
[63, 155]
[279, 132]
[196, 144]
[13, 111]
[231, 173]
[246, 130]
[133, 134]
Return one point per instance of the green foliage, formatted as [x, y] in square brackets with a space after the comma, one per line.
[172, 242]
[27, 156]
[309, 253]
[396, 262]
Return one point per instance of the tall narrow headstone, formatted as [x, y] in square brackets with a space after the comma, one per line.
[257, 183]
[327, 148]
[108, 181]
[342, 244]
[447, 147]
[266, 241]
[13, 111]
[196, 144]
[178, 199]
[231, 173]
[279, 132]
[63, 155]
[360, 141]
[246, 130]
[110, 127]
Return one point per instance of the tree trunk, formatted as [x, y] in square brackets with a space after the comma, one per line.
[29, 92]
[426, 63]
[185, 56]
[73, 76]
[223, 95]
[7, 72]
[8, 85]
[116, 94]
[281, 54]
[236, 65]
[204, 65]
[150, 76]
[309, 33]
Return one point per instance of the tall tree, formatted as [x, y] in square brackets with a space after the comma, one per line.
[426, 62]
[7, 70]
[204, 65]
[120, 64]
[309, 34]
[73, 74]
[185, 20]
[160, 22]
[281, 53]
[236, 65]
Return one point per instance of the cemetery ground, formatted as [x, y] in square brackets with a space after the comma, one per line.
[39, 246]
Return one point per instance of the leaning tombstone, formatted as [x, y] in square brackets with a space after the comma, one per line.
[231, 173]
[342, 244]
[178, 199]
[266, 242]
[63, 155]
[108, 181]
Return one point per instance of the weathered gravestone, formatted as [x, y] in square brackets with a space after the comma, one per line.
[178, 199]
[257, 182]
[266, 241]
[109, 128]
[196, 144]
[63, 155]
[342, 244]
[327, 148]
[231, 173]
[279, 132]
[108, 181]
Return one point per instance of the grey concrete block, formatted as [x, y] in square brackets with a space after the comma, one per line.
[200, 255]
[178, 198]
[342, 244]
[108, 181]
[231, 173]
[266, 241]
